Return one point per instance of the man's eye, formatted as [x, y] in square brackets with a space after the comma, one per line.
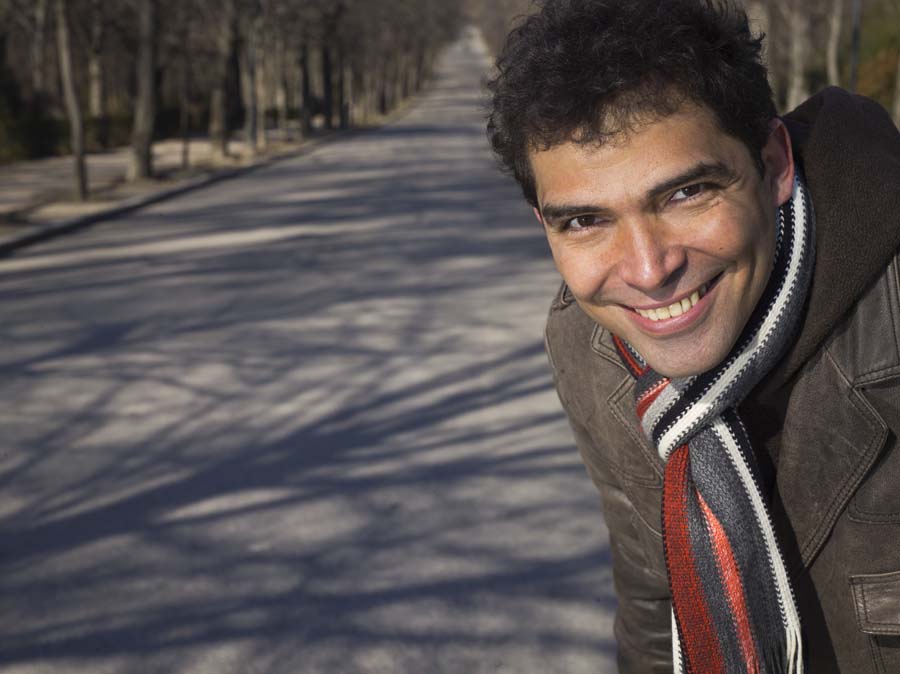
[583, 222]
[689, 192]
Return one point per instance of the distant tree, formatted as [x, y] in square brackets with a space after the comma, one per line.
[797, 18]
[140, 67]
[896, 111]
[39, 47]
[97, 34]
[222, 18]
[835, 22]
[73, 106]
[145, 101]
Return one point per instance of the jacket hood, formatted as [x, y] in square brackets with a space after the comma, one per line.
[849, 151]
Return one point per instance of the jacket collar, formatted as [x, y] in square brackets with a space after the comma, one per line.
[849, 151]
[826, 432]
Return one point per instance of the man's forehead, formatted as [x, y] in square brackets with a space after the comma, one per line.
[637, 161]
[618, 128]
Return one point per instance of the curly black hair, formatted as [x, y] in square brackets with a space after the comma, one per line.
[585, 70]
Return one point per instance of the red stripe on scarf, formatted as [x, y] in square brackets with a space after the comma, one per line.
[649, 396]
[734, 586]
[636, 369]
[699, 639]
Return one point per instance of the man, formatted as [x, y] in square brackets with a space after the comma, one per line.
[726, 343]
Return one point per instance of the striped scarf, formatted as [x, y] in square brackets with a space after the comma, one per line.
[733, 609]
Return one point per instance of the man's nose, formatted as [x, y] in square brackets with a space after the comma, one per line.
[650, 257]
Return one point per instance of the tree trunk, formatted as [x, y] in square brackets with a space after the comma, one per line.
[897, 95]
[218, 120]
[96, 93]
[406, 66]
[96, 84]
[343, 105]
[854, 43]
[96, 96]
[261, 91]
[184, 90]
[184, 118]
[421, 57]
[38, 47]
[305, 91]
[262, 98]
[835, 19]
[383, 99]
[397, 80]
[798, 90]
[327, 86]
[145, 103]
[76, 123]
[248, 89]
[281, 79]
[218, 105]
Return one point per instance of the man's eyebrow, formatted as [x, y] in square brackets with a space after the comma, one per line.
[698, 172]
[559, 211]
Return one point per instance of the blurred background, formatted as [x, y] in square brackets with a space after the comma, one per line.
[277, 401]
[86, 76]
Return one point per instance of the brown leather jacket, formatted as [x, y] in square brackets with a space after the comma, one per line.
[826, 431]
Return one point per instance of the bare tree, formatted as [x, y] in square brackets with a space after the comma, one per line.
[184, 32]
[96, 92]
[854, 43]
[896, 110]
[250, 72]
[894, 5]
[335, 62]
[798, 21]
[145, 103]
[224, 20]
[305, 87]
[835, 21]
[38, 46]
[73, 107]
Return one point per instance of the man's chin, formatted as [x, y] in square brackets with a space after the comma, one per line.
[678, 363]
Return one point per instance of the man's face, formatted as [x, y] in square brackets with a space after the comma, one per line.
[665, 235]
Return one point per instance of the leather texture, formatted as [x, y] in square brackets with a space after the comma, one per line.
[877, 597]
[828, 439]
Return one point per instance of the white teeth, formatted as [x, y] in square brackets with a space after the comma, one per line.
[674, 309]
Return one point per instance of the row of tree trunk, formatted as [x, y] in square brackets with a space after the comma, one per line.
[342, 61]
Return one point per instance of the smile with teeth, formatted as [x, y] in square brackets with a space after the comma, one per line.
[674, 309]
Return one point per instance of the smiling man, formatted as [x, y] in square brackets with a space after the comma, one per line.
[725, 342]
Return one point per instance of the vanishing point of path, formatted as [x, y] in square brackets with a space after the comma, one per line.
[300, 422]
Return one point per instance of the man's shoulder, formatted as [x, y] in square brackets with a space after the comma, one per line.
[571, 335]
[586, 366]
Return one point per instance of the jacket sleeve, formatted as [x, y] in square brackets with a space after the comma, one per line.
[643, 617]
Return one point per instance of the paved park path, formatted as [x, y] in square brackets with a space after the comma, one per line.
[300, 422]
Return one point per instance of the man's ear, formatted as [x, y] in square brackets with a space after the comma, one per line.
[778, 159]
[537, 214]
